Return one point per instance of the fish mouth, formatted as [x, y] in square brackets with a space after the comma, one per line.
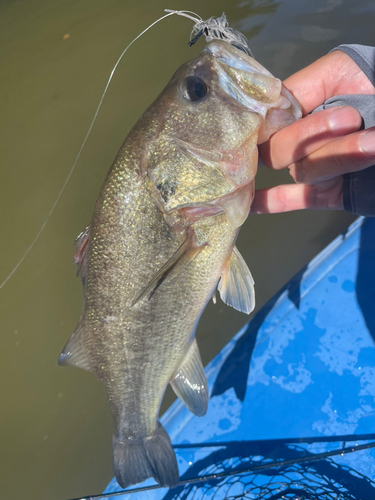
[233, 57]
[248, 82]
[236, 206]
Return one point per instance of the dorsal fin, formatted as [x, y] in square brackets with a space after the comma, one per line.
[80, 257]
[236, 286]
[74, 352]
[179, 260]
[190, 383]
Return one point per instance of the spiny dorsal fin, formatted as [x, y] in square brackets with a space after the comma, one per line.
[190, 383]
[74, 352]
[80, 257]
[236, 286]
[179, 260]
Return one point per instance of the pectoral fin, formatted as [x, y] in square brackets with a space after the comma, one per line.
[190, 383]
[236, 286]
[179, 260]
[74, 352]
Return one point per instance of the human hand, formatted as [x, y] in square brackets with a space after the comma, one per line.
[319, 148]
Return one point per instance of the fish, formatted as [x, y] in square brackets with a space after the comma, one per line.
[162, 239]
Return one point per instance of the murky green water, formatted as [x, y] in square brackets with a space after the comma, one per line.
[54, 423]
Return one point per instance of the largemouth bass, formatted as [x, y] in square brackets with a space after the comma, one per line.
[162, 236]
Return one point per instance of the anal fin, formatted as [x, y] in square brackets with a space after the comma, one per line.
[236, 286]
[190, 383]
[74, 352]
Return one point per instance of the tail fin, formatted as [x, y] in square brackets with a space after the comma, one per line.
[135, 460]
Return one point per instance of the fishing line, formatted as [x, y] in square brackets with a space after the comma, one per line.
[182, 13]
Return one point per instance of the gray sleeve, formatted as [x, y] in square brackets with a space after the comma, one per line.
[359, 187]
[363, 56]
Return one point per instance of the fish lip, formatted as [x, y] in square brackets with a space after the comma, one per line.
[235, 58]
[227, 56]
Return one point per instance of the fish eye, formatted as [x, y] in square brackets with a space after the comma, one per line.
[196, 89]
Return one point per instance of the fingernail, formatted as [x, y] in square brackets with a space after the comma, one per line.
[344, 119]
[368, 142]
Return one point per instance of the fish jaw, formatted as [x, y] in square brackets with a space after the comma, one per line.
[254, 87]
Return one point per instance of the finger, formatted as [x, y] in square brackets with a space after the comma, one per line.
[348, 154]
[305, 136]
[288, 197]
[333, 74]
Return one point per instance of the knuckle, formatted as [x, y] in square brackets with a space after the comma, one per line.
[298, 173]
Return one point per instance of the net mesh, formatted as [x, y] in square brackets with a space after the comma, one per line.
[318, 480]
